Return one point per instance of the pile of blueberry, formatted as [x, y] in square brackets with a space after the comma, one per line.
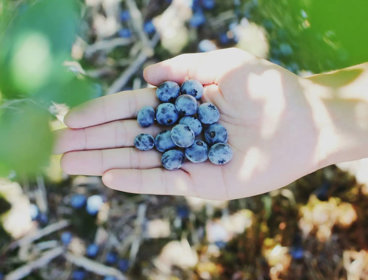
[180, 110]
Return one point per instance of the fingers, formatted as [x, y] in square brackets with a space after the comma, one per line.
[122, 105]
[110, 135]
[95, 163]
[204, 67]
[150, 181]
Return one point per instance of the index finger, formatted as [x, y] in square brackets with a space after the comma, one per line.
[122, 105]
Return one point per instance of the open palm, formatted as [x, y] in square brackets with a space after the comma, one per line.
[262, 105]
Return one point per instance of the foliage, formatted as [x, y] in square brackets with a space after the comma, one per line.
[36, 38]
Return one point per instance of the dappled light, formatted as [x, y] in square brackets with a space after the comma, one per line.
[73, 75]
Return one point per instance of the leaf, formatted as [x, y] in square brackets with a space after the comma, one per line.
[26, 139]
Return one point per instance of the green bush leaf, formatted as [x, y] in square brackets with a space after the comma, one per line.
[26, 139]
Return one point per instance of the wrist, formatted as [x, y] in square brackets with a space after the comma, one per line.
[340, 112]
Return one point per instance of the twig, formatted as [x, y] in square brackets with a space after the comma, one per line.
[25, 270]
[138, 232]
[106, 45]
[39, 234]
[121, 81]
[41, 196]
[138, 26]
[94, 266]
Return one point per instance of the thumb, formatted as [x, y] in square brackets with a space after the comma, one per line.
[207, 68]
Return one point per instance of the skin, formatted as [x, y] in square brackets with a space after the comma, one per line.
[280, 127]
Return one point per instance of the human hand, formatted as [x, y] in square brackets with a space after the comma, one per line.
[270, 124]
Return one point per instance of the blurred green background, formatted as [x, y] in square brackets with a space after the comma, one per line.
[57, 54]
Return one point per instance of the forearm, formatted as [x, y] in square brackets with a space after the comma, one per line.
[339, 102]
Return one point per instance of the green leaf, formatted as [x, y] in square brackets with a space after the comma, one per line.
[26, 139]
[35, 44]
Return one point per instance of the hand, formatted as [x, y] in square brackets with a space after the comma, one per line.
[268, 117]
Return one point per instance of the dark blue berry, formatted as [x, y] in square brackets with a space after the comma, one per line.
[77, 201]
[182, 135]
[166, 114]
[1, 276]
[42, 219]
[144, 142]
[146, 116]
[208, 113]
[215, 133]
[109, 277]
[172, 159]
[198, 152]
[111, 258]
[182, 211]
[297, 253]
[148, 27]
[168, 91]
[208, 4]
[224, 39]
[220, 154]
[123, 265]
[193, 123]
[197, 19]
[193, 88]
[94, 204]
[124, 15]
[125, 33]
[78, 274]
[186, 105]
[163, 141]
[285, 49]
[66, 238]
[92, 250]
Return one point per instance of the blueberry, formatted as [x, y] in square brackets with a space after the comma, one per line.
[220, 154]
[182, 211]
[285, 49]
[1, 276]
[109, 277]
[163, 141]
[111, 258]
[297, 253]
[42, 219]
[125, 33]
[166, 114]
[148, 27]
[206, 46]
[192, 87]
[198, 152]
[146, 116]
[123, 265]
[208, 113]
[208, 4]
[215, 133]
[172, 159]
[168, 91]
[144, 142]
[78, 274]
[224, 39]
[92, 250]
[94, 204]
[197, 19]
[186, 105]
[77, 201]
[182, 135]
[193, 123]
[124, 15]
[66, 237]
